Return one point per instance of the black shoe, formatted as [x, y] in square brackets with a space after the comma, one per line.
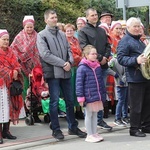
[137, 133]
[1, 140]
[104, 125]
[79, 115]
[8, 135]
[146, 130]
[77, 132]
[57, 134]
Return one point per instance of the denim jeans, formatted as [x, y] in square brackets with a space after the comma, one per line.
[54, 89]
[122, 105]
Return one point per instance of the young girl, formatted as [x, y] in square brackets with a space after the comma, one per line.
[90, 91]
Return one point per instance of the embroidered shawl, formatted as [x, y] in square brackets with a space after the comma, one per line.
[9, 63]
[114, 43]
[76, 50]
[24, 47]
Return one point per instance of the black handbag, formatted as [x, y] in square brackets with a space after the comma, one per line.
[16, 88]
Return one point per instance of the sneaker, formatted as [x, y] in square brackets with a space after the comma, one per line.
[58, 135]
[92, 139]
[119, 123]
[126, 120]
[61, 114]
[98, 137]
[104, 125]
[77, 132]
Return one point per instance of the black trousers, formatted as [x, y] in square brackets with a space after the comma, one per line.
[139, 100]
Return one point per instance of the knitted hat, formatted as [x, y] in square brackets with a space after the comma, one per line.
[3, 32]
[106, 13]
[114, 24]
[81, 18]
[105, 27]
[28, 19]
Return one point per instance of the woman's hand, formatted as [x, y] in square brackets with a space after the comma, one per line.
[15, 74]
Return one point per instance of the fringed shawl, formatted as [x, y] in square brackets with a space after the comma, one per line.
[24, 47]
[76, 50]
[9, 63]
[114, 43]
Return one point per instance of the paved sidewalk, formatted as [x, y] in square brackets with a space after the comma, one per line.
[40, 133]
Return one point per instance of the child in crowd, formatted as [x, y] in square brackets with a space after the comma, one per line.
[121, 115]
[90, 91]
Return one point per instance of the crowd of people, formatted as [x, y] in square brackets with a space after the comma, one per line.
[92, 68]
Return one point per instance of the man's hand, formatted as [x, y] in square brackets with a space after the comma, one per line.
[141, 59]
[67, 66]
[104, 61]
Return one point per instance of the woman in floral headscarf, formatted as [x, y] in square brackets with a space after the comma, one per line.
[10, 69]
[24, 47]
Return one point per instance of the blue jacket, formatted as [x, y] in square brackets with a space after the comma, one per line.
[89, 84]
[129, 48]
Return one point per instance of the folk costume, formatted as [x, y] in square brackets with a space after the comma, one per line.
[77, 55]
[10, 106]
[110, 79]
[8, 63]
[24, 47]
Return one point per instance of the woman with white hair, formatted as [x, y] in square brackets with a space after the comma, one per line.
[81, 22]
[130, 54]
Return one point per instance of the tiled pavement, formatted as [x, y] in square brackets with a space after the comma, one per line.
[39, 133]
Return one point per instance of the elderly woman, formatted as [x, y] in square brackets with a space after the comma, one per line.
[24, 47]
[130, 54]
[81, 22]
[10, 69]
[77, 55]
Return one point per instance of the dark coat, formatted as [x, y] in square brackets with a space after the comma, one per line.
[97, 37]
[129, 48]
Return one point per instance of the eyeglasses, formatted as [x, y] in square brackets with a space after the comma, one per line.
[93, 53]
[69, 30]
[80, 23]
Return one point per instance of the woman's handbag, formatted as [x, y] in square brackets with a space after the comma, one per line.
[16, 88]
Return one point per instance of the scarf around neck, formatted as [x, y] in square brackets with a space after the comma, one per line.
[91, 64]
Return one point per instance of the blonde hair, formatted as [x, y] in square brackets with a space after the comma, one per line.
[69, 25]
[87, 49]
